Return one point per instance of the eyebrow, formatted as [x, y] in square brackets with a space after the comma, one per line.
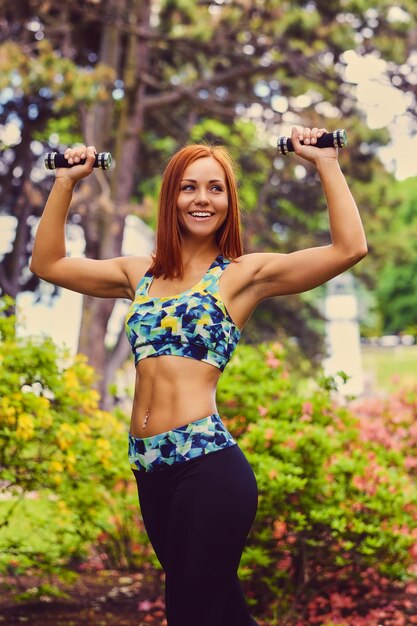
[213, 180]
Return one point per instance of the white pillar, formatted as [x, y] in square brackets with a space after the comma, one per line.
[342, 335]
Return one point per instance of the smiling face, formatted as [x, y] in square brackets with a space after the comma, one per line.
[202, 202]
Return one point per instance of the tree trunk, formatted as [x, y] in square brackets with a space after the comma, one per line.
[104, 219]
[12, 278]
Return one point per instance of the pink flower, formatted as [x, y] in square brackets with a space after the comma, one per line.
[412, 588]
[364, 484]
[280, 529]
[262, 410]
[272, 361]
[284, 563]
[413, 432]
[145, 605]
[339, 601]
[413, 551]
[269, 433]
[308, 408]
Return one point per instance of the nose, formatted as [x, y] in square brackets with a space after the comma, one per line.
[201, 197]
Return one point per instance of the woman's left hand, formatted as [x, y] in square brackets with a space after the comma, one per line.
[308, 150]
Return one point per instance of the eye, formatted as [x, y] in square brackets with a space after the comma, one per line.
[217, 188]
[187, 187]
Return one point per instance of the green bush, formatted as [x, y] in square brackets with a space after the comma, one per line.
[65, 481]
[337, 504]
[334, 504]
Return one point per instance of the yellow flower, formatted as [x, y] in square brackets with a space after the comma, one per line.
[65, 436]
[62, 506]
[45, 420]
[90, 401]
[43, 412]
[70, 378]
[84, 431]
[7, 412]
[103, 444]
[70, 461]
[25, 426]
[104, 451]
[56, 466]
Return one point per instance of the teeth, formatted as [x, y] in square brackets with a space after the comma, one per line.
[200, 214]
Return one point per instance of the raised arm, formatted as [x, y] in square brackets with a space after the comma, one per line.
[273, 274]
[102, 278]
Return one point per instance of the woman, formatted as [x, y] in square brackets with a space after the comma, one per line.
[197, 491]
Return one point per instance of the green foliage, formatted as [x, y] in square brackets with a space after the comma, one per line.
[67, 83]
[332, 501]
[35, 593]
[337, 491]
[397, 277]
[64, 480]
[231, 71]
[395, 291]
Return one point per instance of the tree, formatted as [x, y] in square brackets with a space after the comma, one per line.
[136, 76]
[397, 281]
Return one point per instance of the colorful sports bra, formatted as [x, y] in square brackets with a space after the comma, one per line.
[193, 324]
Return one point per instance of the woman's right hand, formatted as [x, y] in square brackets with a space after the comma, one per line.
[74, 156]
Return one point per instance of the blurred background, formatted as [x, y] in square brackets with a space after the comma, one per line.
[141, 78]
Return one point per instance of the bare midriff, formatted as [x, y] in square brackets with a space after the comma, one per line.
[171, 391]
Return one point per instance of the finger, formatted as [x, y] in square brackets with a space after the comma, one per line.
[314, 135]
[307, 135]
[74, 155]
[296, 137]
[79, 153]
[68, 155]
[90, 156]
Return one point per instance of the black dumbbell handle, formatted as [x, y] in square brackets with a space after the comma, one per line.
[53, 160]
[337, 139]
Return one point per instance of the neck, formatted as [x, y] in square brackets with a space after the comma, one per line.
[201, 253]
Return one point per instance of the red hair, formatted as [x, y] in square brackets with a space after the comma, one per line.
[167, 260]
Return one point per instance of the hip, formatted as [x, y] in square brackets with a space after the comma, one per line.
[179, 445]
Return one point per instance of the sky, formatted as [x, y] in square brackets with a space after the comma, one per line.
[386, 107]
[383, 106]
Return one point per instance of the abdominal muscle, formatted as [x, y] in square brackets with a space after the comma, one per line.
[174, 391]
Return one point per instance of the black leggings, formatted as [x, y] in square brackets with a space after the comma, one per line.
[198, 515]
